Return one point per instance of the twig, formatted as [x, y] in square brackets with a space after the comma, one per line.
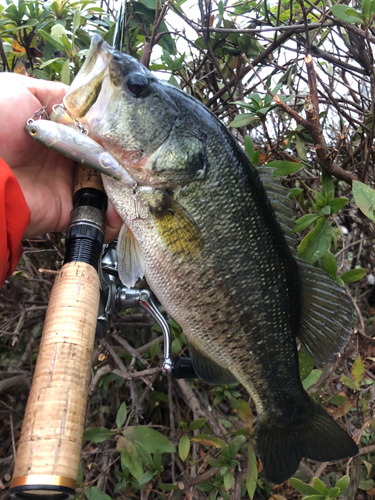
[295, 28]
[367, 449]
[12, 434]
[14, 381]
[148, 46]
[130, 349]
[16, 332]
[201, 478]
[142, 374]
[101, 372]
[351, 245]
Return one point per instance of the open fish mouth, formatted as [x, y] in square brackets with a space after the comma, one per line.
[90, 82]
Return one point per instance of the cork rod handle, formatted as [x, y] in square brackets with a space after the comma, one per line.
[50, 444]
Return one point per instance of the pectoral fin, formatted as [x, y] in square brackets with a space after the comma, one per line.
[131, 264]
[208, 370]
[177, 228]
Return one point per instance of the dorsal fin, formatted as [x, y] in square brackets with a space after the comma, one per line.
[281, 204]
[326, 308]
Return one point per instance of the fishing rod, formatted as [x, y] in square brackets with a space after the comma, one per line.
[49, 449]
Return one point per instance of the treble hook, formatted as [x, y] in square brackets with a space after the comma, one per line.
[138, 216]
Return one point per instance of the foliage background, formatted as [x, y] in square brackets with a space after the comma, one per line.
[295, 82]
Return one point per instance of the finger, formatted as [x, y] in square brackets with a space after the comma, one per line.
[113, 223]
[48, 93]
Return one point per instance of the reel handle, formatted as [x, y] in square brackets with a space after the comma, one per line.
[50, 445]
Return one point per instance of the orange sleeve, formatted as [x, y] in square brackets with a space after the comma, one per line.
[14, 219]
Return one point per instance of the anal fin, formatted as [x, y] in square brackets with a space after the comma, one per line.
[208, 370]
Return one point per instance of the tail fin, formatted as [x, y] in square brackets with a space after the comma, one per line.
[317, 437]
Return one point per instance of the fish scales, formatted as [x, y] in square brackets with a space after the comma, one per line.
[201, 228]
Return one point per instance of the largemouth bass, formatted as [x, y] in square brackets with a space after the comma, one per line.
[217, 250]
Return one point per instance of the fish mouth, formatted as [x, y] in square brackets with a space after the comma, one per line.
[87, 86]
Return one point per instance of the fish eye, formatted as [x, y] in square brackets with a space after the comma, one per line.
[33, 130]
[137, 84]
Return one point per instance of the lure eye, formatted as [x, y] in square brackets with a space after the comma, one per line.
[137, 84]
[33, 130]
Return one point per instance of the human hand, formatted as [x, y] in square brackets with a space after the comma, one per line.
[45, 176]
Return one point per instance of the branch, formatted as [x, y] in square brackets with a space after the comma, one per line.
[11, 382]
[146, 54]
[245, 70]
[315, 129]
[295, 28]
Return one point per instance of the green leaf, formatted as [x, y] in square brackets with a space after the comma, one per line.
[245, 413]
[228, 480]
[333, 492]
[121, 415]
[97, 434]
[235, 445]
[249, 147]
[65, 73]
[220, 8]
[326, 210]
[340, 11]
[252, 475]
[315, 497]
[364, 196]
[348, 382]
[243, 119]
[256, 158]
[144, 455]
[284, 167]
[305, 221]
[354, 13]
[55, 43]
[315, 244]
[94, 493]
[343, 483]
[184, 447]
[130, 457]
[145, 478]
[311, 379]
[76, 20]
[306, 363]
[319, 486]
[337, 204]
[358, 371]
[209, 441]
[327, 183]
[304, 489]
[157, 461]
[197, 424]
[366, 485]
[366, 8]
[154, 349]
[301, 148]
[167, 486]
[295, 192]
[152, 439]
[353, 275]
[51, 61]
[330, 264]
